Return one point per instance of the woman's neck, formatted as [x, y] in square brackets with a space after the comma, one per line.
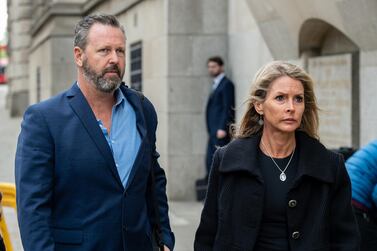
[278, 145]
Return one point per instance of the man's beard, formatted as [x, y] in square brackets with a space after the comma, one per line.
[215, 74]
[101, 83]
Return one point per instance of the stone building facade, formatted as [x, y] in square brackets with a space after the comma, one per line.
[168, 43]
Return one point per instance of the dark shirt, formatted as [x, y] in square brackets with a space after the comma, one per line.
[273, 232]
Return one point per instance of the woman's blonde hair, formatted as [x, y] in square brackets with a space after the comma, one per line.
[264, 77]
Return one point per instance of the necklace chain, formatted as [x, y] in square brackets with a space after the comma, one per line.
[282, 176]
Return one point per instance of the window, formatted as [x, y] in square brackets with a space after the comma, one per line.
[136, 66]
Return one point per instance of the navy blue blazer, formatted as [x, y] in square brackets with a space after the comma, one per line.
[220, 107]
[69, 194]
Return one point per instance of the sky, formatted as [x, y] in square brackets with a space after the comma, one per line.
[3, 19]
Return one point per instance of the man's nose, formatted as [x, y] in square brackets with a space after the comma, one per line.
[114, 58]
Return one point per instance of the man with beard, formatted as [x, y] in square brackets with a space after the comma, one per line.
[87, 174]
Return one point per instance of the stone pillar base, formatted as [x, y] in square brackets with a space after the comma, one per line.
[19, 101]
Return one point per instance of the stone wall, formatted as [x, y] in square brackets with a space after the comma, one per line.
[368, 92]
[332, 76]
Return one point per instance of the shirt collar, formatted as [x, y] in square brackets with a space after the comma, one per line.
[119, 96]
[217, 79]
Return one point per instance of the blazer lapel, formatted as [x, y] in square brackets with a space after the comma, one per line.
[135, 100]
[82, 109]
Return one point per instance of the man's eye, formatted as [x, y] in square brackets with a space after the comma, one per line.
[120, 51]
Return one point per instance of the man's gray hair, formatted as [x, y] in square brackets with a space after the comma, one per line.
[83, 26]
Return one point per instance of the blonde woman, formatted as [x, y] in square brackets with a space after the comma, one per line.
[275, 187]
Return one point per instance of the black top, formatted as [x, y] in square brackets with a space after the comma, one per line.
[273, 232]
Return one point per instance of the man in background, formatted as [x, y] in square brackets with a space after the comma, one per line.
[220, 108]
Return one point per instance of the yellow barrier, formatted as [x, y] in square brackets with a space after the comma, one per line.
[8, 192]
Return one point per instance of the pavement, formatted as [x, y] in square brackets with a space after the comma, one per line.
[184, 215]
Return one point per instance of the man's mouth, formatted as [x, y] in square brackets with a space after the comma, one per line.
[112, 71]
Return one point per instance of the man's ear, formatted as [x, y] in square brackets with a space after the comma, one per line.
[259, 107]
[79, 56]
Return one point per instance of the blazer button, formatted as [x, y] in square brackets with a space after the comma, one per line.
[292, 203]
[125, 229]
[296, 235]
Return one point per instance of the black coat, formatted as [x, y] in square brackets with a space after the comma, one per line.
[220, 107]
[2, 246]
[319, 213]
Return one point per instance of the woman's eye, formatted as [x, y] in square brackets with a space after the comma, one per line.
[279, 98]
[299, 99]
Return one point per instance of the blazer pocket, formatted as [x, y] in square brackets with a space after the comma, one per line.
[67, 236]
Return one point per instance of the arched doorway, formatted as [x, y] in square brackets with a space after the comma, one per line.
[332, 59]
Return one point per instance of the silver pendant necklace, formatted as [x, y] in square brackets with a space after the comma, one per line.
[282, 175]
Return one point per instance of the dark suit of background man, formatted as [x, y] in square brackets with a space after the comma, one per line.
[84, 157]
[220, 108]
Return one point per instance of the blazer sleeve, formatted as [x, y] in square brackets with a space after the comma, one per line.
[206, 232]
[343, 227]
[227, 116]
[168, 238]
[34, 166]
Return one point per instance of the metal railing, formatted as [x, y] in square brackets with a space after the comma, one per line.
[8, 192]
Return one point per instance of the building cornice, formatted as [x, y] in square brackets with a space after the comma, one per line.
[115, 7]
[53, 10]
[80, 9]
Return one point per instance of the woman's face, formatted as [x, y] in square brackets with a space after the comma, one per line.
[284, 105]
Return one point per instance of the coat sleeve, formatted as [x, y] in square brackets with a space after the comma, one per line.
[160, 183]
[362, 169]
[206, 232]
[168, 238]
[343, 227]
[2, 245]
[227, 116]
[34, 182]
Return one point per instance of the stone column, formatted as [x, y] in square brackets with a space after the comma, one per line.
[196, 30]
[19, 23]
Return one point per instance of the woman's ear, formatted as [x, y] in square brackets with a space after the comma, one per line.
[259, 107]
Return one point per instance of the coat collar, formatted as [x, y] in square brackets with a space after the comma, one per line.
[314, 159]
[82, 109]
